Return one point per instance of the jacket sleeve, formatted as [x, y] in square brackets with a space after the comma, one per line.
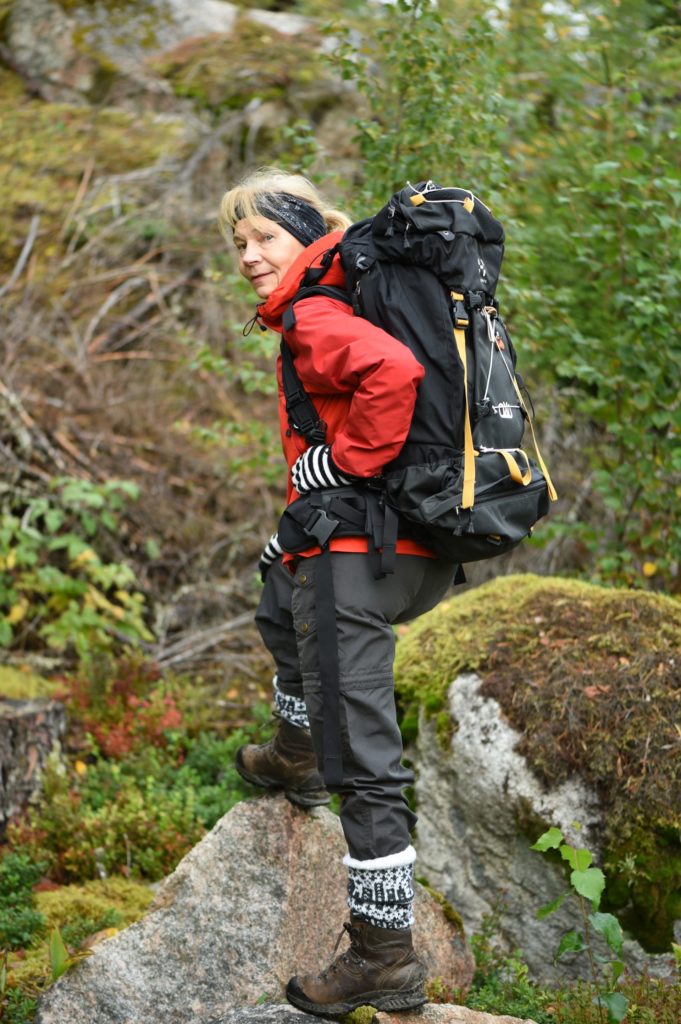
[337, 352]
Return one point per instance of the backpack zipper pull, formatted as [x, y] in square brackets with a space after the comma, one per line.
[391, 216]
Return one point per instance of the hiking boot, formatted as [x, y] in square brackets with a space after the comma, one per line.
[287, 762]
[379, 969]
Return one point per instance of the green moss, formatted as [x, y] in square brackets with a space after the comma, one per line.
[590, 678]
[361, 1015]
[448, 910]
[22, 684]
[73, 907]
[92, 899]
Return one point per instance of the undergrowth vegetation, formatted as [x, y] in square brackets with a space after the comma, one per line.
[146, 769]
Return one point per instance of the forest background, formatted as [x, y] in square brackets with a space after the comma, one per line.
[141, 472]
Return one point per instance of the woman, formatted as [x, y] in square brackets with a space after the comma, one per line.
[363, 384]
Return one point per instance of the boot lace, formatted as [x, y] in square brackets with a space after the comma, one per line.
[350, 956]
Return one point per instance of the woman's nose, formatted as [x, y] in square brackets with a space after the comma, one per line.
[251, 254]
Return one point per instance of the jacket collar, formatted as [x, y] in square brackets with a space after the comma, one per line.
[275, 305]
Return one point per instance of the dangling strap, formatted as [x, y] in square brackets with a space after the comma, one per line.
[514, 469]
[553, 494]
[329, 669]
[468, 496]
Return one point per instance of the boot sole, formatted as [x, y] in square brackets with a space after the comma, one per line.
[312, 798]
[408, 999]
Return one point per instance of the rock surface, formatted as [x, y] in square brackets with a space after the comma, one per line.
[432, 1014]
[29, 730]
[260, 898]
[446, 1013]
[471, 842]
[75, 52]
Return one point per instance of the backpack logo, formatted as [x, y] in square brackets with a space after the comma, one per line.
[483, 270]
[505, 410]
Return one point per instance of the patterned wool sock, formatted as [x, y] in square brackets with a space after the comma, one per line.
[290, 708]
[381, 891]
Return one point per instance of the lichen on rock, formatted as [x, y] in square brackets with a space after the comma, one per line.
[590, 678]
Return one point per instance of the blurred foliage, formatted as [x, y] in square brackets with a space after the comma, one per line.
[61, 584]
[565, 119]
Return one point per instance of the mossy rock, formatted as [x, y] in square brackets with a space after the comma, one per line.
[46, 148]
[590, 677]
[223, 72]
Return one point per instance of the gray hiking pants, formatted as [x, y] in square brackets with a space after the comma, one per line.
[375, 816]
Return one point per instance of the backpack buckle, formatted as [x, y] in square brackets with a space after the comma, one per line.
[460, 314]
[320, 527]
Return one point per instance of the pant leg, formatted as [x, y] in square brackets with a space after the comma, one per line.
[375, 814]
[274, 620]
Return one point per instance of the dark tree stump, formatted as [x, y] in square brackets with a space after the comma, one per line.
[29, 730]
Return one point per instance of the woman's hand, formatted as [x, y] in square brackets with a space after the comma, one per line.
[315, 470]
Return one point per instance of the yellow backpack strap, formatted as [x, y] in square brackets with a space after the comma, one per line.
[553, 494]
[468, 496]
[514, 469]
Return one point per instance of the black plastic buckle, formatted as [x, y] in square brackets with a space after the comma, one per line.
[320, 527]
[460, 314]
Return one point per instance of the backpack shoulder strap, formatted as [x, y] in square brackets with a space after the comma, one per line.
[307, 291]
[300, 409]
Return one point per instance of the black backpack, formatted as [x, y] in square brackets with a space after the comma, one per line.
[425, 269]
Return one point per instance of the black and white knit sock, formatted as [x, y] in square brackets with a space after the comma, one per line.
[290, 708]
[381, 891]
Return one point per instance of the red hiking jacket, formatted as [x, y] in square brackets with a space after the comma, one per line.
[361, 379]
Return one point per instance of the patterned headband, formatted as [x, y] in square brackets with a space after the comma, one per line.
[294, 215]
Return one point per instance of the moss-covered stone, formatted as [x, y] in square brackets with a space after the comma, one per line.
[46, 148]
[226, 72]
[448, 910]
[591, 678]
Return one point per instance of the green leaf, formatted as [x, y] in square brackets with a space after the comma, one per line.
[609, 928]
[579, 860]
[54, 519]
[616, 969]
[59, 957]
[571, 942]
[589, 884]
[550, 840]
[549, 908]
[616, 1004]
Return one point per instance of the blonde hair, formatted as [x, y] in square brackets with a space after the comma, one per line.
[243, 200]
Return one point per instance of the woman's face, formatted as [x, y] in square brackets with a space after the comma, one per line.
[266, 251]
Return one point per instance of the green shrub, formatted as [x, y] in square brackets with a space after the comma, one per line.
[59, 586]
[20, 922]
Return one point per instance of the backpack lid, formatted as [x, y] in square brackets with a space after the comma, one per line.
[448, 231]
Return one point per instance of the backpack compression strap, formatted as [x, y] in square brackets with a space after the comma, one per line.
[460, 323]
[553, 494]
[468, 496]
